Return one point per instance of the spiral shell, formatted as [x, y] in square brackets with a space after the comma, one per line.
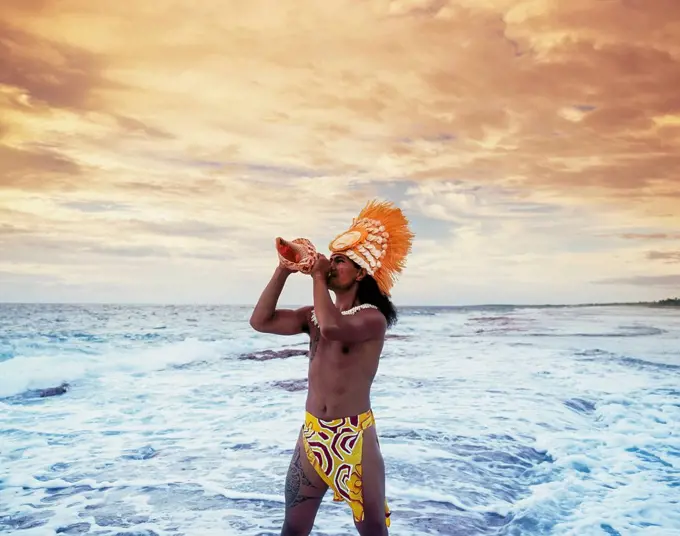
[298, 255]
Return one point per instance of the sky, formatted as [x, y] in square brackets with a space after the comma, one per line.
[151, 152]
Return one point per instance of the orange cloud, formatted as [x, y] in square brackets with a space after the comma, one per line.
[667, 256]
[208, 128]
[651, 236]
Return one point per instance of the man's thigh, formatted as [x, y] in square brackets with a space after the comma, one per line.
[373, 481]
[304, 491]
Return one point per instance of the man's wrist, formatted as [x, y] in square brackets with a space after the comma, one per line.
[318, 276]
[283, 271]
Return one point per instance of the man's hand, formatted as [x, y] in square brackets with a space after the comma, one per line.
[282, 268]
[321, 267]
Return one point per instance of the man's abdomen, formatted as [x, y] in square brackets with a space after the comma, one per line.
[336, 392]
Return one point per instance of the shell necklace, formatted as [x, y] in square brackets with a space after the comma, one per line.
[347, 312]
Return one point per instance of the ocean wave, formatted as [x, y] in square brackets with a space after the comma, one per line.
[636, 362]
[482, 434]
[623, 332]
[30, 372]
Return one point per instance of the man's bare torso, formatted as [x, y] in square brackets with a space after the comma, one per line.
[340, 375]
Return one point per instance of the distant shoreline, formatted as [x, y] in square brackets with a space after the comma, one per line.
[670, 302]
[663, 304]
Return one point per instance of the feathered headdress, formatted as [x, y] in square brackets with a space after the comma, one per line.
[379, 241]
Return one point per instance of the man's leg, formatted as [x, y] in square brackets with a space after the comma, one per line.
[304, 492]
[373, 486]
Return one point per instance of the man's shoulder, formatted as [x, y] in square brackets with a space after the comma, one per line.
[304, 313]
[305, 310]
[374, 317]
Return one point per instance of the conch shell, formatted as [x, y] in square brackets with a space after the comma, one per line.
[298, 255]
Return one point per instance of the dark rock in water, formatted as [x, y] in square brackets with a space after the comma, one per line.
[59, 466]
[579, 405]
[396, 336]
[54, 391]
[121, 520]
[146, 532]
[609, 529]
[460, 523]
[492, 319]
[53, 495]
[143, 453]
[292, 385]
[76, 528]
[23, 522]
[266, 355]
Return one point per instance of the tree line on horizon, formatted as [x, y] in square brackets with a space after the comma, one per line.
[669, 301]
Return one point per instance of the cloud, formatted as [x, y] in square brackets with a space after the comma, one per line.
[8, 229]
[29, 169]
[89, 206]
[651, 236]
[667, 256]
[53, 73]
[537, 137]
[438, 83]
[670, 281]
[185, 228]
[506, 246]
[461, 202]
[132, 126]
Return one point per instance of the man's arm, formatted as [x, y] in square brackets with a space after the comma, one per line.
[334, 326]
[266, 318]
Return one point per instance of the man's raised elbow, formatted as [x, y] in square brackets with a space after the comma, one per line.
[256, 324]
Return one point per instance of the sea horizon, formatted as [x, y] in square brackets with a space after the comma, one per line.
[396, 303]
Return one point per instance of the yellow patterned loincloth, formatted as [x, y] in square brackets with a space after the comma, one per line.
[334, 449]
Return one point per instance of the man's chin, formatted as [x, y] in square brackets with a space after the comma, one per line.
[331, 282]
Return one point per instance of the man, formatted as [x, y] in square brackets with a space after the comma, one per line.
[338, 445]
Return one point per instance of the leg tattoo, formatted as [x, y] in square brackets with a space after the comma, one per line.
[294, 480]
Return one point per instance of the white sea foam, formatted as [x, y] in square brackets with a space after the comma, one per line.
[31, 371]
[505, 422]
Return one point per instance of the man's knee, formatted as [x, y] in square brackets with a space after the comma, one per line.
[372, 527]
[296, 529]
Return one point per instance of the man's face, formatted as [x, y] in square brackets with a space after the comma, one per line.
[343, 273]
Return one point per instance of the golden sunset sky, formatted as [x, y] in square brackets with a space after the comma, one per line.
[151, 151]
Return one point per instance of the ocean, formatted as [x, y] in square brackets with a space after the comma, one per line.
[492, 421]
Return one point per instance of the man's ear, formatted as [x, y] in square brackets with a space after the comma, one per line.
[361, 274]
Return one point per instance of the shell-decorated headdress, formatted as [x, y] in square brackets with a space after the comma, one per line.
[379, 241]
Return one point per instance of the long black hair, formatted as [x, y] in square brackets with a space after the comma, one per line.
[369, 292]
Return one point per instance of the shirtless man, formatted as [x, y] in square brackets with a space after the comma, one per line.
[338, 444]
